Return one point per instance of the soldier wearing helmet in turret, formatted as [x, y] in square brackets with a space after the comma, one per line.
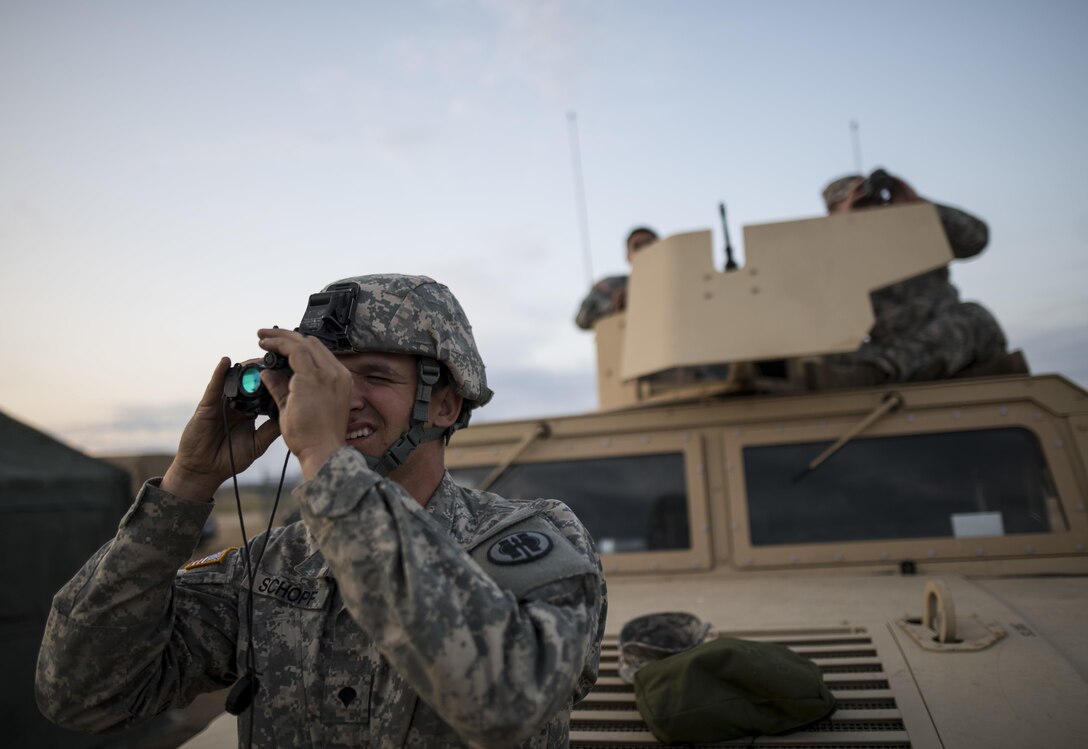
[922, 331]
[402, 610]
[609, 295]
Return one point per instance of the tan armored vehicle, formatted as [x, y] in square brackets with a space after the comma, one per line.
[924, 544]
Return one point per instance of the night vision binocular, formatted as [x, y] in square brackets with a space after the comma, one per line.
[327, 317]
[876, 190]
[245, 391]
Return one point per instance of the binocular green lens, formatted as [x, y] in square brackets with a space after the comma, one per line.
[250, 381]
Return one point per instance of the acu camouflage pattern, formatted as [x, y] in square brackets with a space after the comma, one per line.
[651, 637]
[418, 316]
[598, 302]
[372, 625]
[967, 234]
[922, 331]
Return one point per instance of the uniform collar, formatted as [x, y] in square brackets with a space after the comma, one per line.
[443, 502]
[442, 506]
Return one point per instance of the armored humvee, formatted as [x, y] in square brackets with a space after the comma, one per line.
[923, 543]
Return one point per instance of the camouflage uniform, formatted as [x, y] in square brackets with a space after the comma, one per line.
[922, 330]
[598, 302]
[376, 623]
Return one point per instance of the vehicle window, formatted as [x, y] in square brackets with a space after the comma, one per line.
[955, 484]
[633, 503]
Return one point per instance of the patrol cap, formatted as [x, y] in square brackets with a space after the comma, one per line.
[651, 637]
[417, 316]
[837, 190]
[728, 688]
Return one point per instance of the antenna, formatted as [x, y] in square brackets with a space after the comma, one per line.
[856, 138]
[580, 194]
[730, 264]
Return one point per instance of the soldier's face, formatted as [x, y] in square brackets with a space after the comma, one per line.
[638, 241]
[383, 391]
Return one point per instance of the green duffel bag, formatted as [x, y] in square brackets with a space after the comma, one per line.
[728, 688]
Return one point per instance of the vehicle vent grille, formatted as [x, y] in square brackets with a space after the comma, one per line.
[867, 714]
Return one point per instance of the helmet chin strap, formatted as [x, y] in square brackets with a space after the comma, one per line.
[418, 433]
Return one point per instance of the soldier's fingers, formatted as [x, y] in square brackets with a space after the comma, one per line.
[319, 353]
[300, 350]
[304, 352]
[902, 191]
[278, 385]
[213, 393]
[278, 340]
[266, 434]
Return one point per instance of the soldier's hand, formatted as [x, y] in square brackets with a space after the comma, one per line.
[902, 192]
[203, 459]
[314, 402]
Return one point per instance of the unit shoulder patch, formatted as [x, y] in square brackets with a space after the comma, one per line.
[528, 553]
[217, 558]
[519, 548]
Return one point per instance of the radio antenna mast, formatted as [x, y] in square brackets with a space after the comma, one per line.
[730, 263]
[580, 194]
[856, 138]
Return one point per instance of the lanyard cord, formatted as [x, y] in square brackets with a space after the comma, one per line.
[241, 695]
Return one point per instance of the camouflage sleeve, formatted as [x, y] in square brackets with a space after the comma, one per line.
[598, 302]
[493, 665]
[122, 641]
[966, 234]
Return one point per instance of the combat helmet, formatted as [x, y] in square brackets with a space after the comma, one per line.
[651, 637]
[837, 189]
[412, 315]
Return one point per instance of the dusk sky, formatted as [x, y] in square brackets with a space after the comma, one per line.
[175, 175]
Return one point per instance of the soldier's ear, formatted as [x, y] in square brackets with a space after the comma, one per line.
[445, 406]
